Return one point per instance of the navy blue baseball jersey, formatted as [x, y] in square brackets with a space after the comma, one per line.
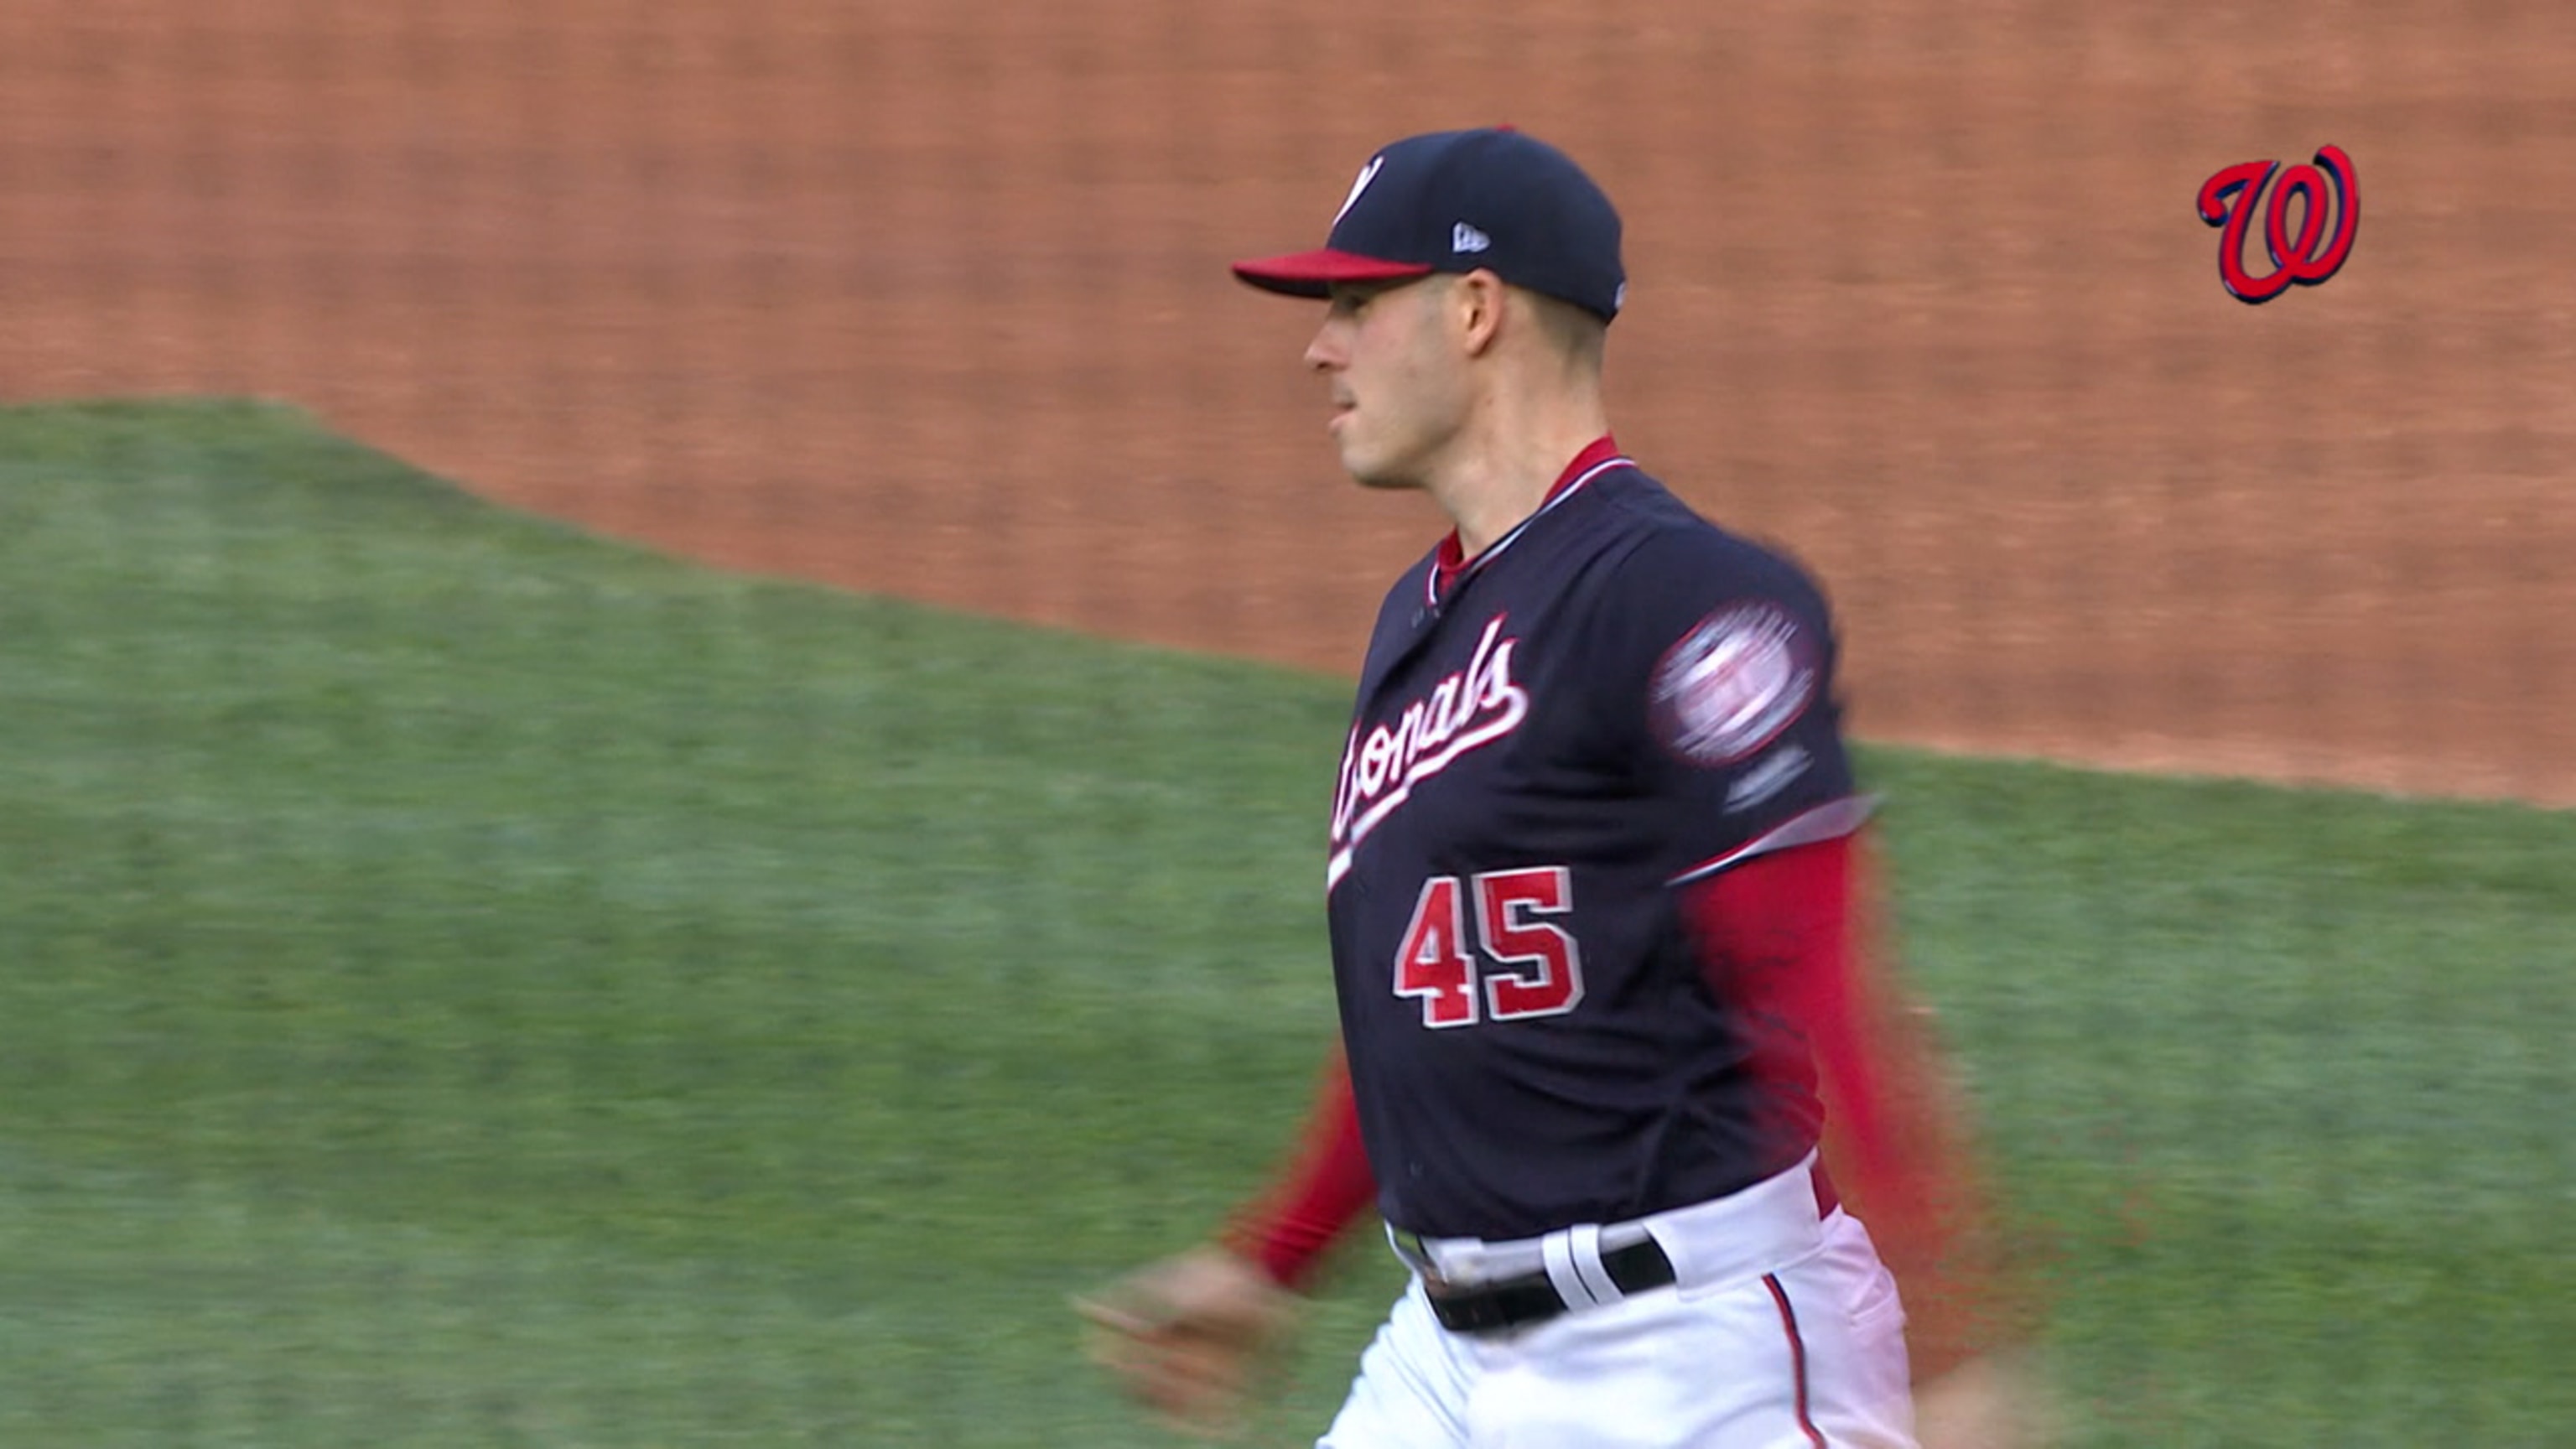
[1613, 700]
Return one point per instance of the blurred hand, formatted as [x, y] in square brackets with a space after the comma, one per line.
[1995, 1402]
[1186, 1335]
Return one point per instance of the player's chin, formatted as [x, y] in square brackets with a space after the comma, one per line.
[1371, 470]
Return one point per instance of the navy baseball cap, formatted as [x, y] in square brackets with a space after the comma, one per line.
[1454, 201]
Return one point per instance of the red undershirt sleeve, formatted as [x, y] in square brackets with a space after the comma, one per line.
[1785, 937]
[1322, 1186]
[1774, 938]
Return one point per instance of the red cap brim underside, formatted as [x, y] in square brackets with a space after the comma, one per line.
[1311, 274]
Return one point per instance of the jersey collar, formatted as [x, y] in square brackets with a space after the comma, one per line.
[1449, 562]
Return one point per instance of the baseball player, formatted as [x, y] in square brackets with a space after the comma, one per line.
[1589, 882]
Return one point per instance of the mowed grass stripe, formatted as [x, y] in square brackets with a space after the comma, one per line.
[470, 982]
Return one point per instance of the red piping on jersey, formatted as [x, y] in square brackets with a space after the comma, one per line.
[1829, 821]
[1797, 1357]
[1450, 559]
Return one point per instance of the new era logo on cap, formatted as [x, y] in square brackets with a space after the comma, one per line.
[1455, 201]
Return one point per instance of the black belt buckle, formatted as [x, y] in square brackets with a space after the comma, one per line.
[1532, 1298]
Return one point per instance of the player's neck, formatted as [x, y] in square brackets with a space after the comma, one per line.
[1499, 475]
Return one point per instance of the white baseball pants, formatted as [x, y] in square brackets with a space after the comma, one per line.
[1782, 1332]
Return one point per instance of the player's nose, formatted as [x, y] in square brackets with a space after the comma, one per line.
[1325, 353]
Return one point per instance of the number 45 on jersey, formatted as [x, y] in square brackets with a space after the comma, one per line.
[1537, 969]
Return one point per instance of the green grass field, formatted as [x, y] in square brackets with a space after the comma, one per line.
[466, 983]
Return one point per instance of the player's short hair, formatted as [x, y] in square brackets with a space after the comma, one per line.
[1580, 334]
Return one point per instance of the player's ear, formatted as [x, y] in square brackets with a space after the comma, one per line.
[1477, 301]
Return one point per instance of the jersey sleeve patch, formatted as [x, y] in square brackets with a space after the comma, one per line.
[1734, 683]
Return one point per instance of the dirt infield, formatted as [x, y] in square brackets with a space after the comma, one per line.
[930, 298]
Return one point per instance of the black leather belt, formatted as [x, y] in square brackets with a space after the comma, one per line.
[1532, 1298]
